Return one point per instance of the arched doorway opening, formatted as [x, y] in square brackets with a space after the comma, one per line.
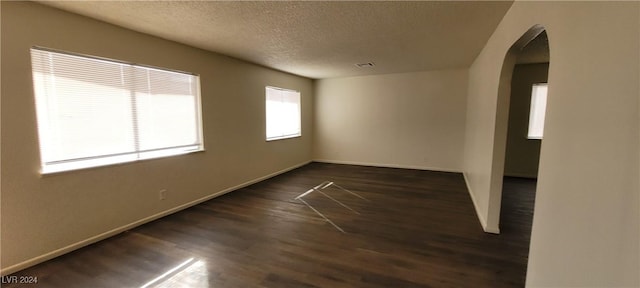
[525, 133]
[516, 152]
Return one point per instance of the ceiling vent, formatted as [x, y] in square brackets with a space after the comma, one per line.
[365, 65]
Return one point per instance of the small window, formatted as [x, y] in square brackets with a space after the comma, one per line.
[282, 113]
[538, 108]
[95, 112]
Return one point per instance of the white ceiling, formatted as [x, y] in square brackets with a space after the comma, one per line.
[315, 39]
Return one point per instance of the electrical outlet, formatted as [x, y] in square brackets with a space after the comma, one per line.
[163, 194]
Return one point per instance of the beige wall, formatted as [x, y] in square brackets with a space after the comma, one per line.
[409, 120]
[522, 154]
[41, 214]
[586, 227]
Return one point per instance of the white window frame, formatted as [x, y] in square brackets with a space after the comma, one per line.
[146, 105]
[537, 111]
[282, 120]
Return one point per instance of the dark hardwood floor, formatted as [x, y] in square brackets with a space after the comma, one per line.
[417, 229]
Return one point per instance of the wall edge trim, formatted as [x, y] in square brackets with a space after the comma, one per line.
[483, 221]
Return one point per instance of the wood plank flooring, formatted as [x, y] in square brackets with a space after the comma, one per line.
[418, 229]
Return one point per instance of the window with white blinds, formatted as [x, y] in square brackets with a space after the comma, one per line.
[282, 113]
[94, 112]
[537, 112]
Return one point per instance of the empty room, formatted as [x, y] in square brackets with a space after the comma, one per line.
[320, 144]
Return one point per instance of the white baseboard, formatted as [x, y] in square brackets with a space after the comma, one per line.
[105, 235]
[483, 221]
[387, 165]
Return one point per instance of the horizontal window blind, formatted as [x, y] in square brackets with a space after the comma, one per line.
[94, 112]
[282, 113]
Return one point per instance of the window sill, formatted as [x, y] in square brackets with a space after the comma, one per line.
[80, 167]
[283, 138]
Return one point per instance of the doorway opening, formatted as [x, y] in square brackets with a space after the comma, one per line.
[516, 152]
[521, 51]
[524, 136]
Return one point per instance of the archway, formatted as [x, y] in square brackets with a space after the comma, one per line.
[502, 124]
[525, 134]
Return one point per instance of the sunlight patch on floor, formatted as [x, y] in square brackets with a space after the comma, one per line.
[327, 189]
[190, 273]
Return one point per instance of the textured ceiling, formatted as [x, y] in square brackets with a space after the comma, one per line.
[315, 39]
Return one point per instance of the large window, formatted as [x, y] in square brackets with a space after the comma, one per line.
[538, 108]
[283, 113]
[94, 112]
